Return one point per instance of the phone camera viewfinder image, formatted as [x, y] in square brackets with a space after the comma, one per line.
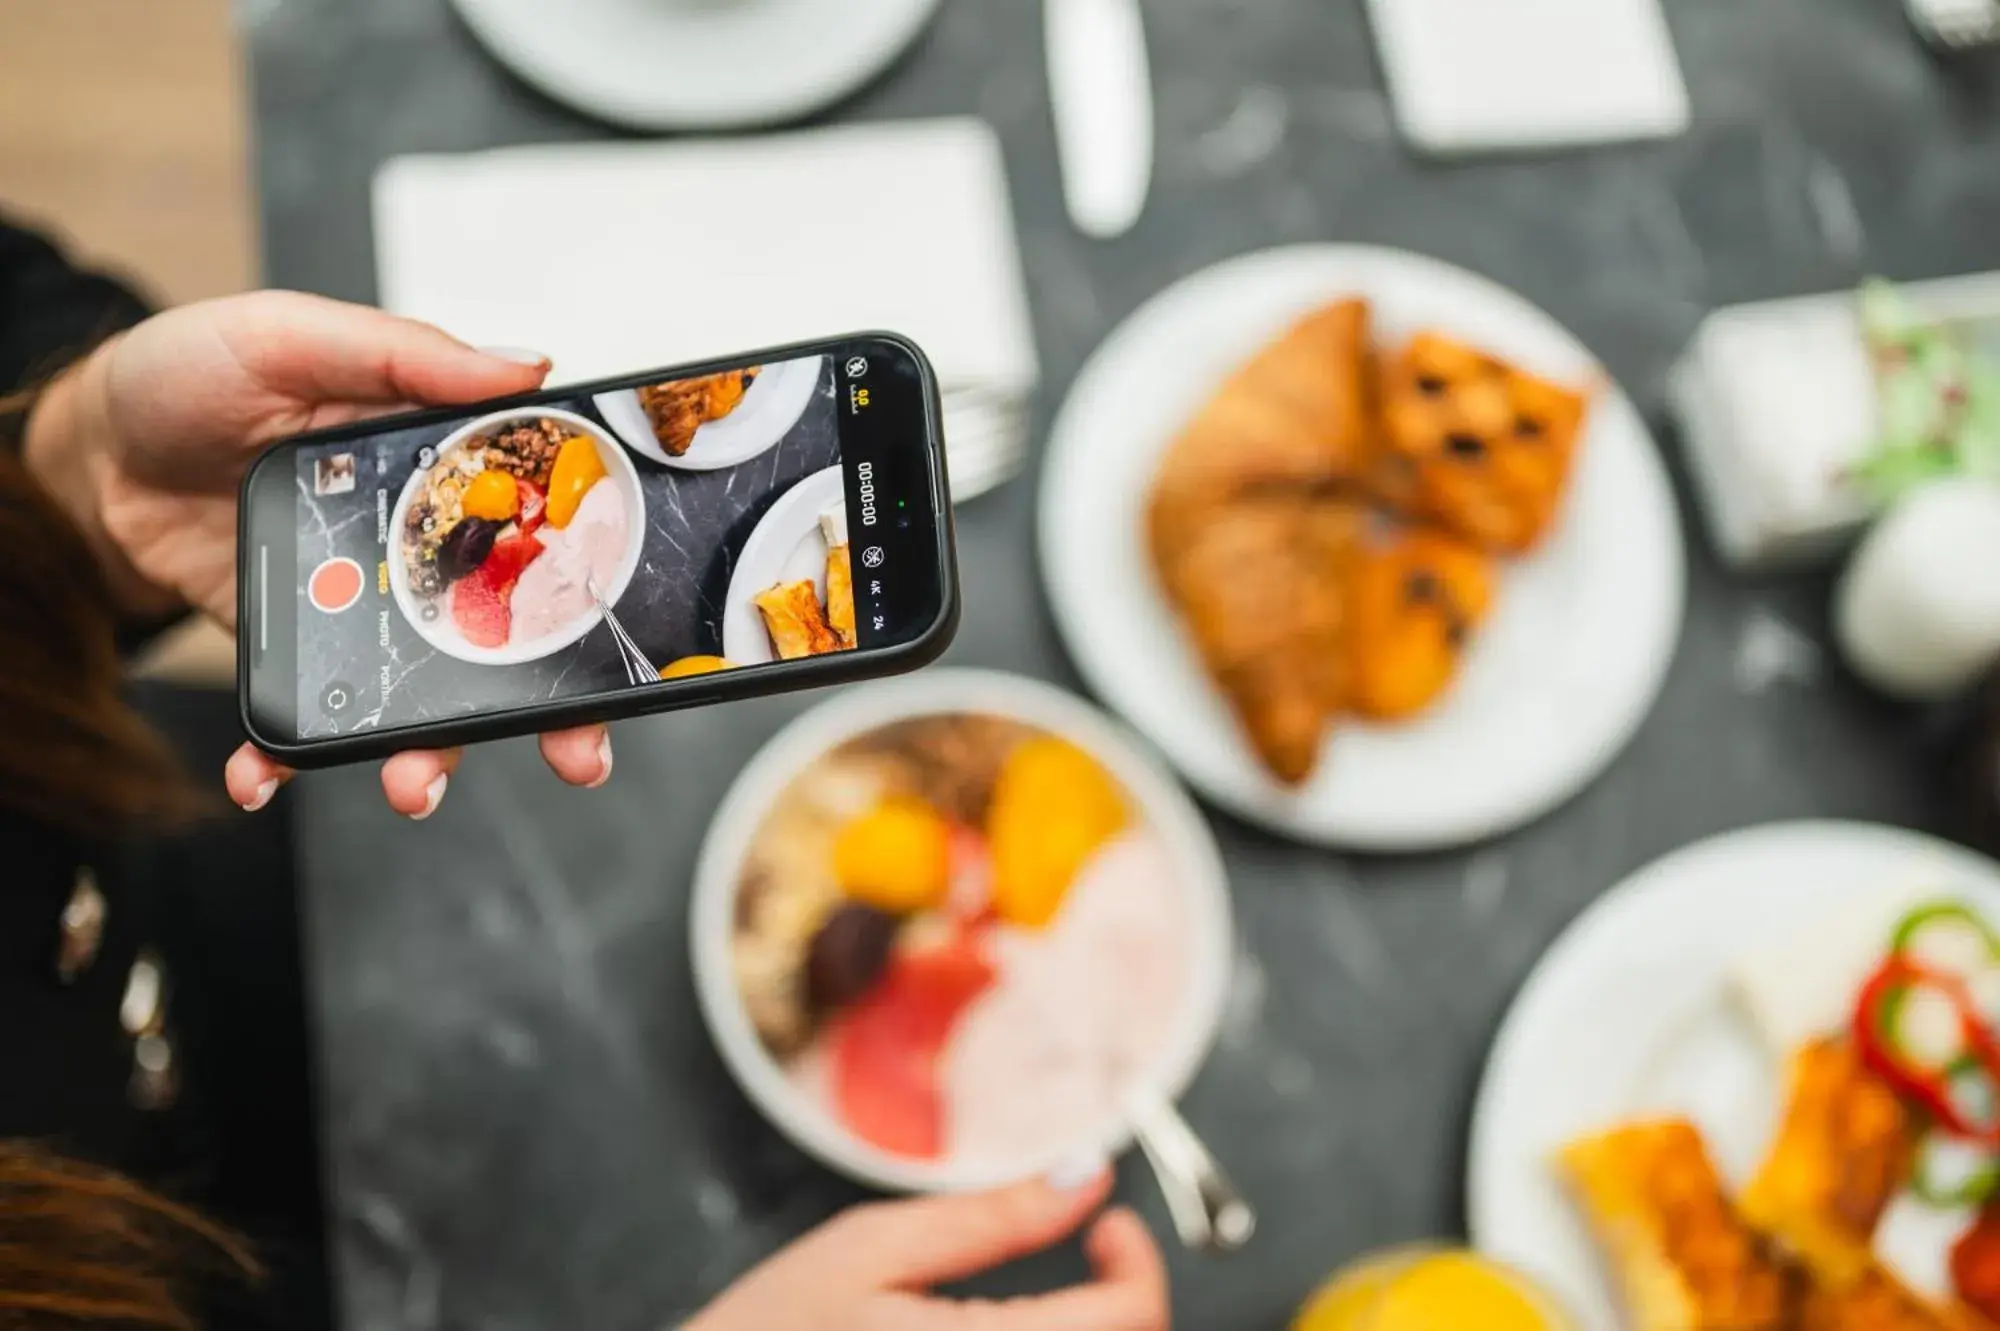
[584, 545]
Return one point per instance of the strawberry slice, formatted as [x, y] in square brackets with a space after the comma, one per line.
[533, 508]
[480, 610]
[887, 1047]
[479, 600]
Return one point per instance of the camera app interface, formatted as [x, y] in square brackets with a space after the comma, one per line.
[575, 548]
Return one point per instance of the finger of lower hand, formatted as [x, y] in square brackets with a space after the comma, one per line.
[1129, 1293]
[415, 781]
[581, 757]
[252, 777]
[920, 1243]
[1124, 1255]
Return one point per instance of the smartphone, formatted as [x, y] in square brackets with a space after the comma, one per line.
[685, 536]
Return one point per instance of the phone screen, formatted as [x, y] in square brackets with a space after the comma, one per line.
[613, 537]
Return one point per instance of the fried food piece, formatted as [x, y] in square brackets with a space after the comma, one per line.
[676, 410]
[839, 576]
[1845, 1145]
[796, 623]
[1261, 587]
[1474, 444]
[1295, 417]
[1417, 596]
[1685, 1258]
[1876, 1301]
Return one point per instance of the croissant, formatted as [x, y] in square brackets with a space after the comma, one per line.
[1251, 531]
[1296, 416]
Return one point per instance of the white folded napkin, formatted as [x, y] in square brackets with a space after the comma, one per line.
[1496, 75]
[612, 258]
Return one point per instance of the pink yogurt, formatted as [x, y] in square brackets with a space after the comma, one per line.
[553, 593]
[1079, 1015]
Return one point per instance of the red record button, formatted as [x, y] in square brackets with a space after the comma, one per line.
[335, 585]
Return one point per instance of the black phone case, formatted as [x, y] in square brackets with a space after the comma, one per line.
[674, 696]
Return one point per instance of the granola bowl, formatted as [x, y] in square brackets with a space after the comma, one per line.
[499, 534]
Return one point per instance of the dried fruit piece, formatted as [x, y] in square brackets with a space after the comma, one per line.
[896, 857]
[848, 955]
[1053, 806]
[492, 496]
[470, 542]
[578, 467]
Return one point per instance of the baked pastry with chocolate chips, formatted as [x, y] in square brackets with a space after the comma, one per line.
[1474, 444]
[1416, 597]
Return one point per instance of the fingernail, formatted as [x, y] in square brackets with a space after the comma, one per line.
[265, 791]
[1077, 1171]
[604, 757]
[433, 795]
[519, 355]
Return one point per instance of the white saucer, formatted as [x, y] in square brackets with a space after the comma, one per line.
[1553, 686]
[1627, 1015]
[784, 546]
[769, 409]
[696, 64]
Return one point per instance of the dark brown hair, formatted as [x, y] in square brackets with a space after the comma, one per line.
[72, 752]
[82, 1246]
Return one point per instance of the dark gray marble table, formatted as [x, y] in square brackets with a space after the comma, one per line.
[527, 1126]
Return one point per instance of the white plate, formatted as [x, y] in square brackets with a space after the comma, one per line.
[696, 64]
[769, 409]
[442, 633]
[1168, 812]
[1553, 686]
[1627, 1014]
[784, 546]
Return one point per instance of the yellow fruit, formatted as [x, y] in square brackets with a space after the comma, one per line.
[1343, 1303]
[578, 467]
[492, 496]
[695, 665]
[896, 857]
[1053, 806]
[1453, 1290]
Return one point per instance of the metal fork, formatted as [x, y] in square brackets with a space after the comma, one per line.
[1957, 26]
[638, 669]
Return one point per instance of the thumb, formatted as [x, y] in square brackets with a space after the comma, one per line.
[313, 349]
[934, 1240]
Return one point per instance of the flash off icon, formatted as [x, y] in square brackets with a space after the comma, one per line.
[857, 368]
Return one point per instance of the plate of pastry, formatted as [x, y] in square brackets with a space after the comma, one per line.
[1371, 546]
[1757, 1085]
[716, 420]
[791, 594]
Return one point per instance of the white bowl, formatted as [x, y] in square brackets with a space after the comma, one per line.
[441, 633]
[1168, 812]
[770, 408]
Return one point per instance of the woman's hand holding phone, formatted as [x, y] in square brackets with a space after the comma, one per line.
[147, 440]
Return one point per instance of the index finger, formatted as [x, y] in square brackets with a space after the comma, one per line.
[1129, 1292]
[932, 1240]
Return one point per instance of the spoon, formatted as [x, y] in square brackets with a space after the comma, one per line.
[1209, 1214]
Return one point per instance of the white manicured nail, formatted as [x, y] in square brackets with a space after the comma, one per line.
[433, 795]
[603, 756]
[265, 791]
[1078, 1170]
[518, 355]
